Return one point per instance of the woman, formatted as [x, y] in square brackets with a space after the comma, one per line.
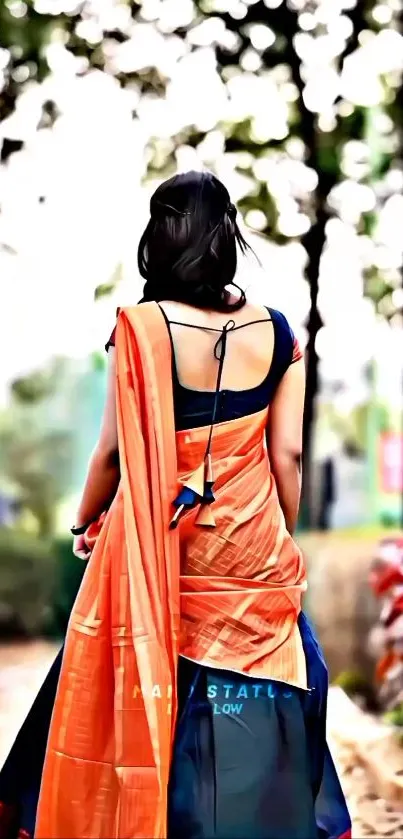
[192, 694]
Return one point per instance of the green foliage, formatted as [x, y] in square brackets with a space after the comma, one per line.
[27, 582]
[387, 520]
[38, 463]
[69, 574]
[395, 717]
[353, 683]
[329, 158]
[262, 200]
[39, 582]
[38, 385]
[33, 388]
[353, 428]
[26, 36]
[103, 290]
[36, 444]
[98, 362]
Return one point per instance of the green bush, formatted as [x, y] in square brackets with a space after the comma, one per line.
[39, 582]
[359, 688]
[352, 682]
[69, 573]
[27, 582]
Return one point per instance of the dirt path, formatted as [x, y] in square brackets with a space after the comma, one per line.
[371, 815]
[23, 668]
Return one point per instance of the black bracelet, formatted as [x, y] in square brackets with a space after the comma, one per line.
[79, 531]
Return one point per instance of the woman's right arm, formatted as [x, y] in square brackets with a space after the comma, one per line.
[284, 440]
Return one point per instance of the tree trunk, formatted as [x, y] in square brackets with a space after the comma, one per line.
[314, 241]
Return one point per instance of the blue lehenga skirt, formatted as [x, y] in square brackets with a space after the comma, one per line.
[250, 758]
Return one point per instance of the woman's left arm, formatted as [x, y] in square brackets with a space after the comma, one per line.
[103, 475]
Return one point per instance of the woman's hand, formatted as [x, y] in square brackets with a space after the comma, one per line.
[80, 548]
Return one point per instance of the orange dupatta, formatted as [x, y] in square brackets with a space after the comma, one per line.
[109, 750]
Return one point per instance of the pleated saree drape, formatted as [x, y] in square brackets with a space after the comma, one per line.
[227, 596]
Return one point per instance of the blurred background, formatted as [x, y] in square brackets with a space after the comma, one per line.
[297, 106]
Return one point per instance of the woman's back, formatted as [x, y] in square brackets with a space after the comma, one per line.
[259, 346]
[255, 346]
[249, 349]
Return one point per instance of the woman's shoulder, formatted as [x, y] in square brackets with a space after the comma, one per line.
[121, 311]
[282, 326]
[256, 311]
[278, 317]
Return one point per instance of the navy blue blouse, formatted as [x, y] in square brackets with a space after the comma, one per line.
[194, 408]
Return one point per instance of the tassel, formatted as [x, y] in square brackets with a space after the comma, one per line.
[198, 489]
[205, 517]
[208, 495]
[195, 481]
[209, 470]
[190, 494]
[187, 498]
[175, 519]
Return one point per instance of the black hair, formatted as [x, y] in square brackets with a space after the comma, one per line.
[188, 251]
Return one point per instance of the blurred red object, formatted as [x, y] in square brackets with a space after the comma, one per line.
[386, 581]
[387, 568]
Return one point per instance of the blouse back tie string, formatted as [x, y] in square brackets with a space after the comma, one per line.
[198, 488]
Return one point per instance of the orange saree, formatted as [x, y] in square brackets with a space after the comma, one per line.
[227, 595]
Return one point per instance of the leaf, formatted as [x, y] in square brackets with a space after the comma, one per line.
[104, 290]
[33, 388]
